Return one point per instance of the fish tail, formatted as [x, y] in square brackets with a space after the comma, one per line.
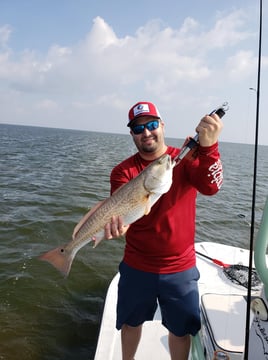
[60, 259]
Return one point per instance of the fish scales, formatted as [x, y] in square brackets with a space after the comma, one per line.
[131, 201]
[132, 196]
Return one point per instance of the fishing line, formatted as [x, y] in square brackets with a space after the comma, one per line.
[246, 350]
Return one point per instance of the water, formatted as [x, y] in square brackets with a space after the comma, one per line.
[49, 178]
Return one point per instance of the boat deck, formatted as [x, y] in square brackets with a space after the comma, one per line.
[154, 342]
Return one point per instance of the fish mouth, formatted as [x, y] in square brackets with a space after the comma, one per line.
[169, 162]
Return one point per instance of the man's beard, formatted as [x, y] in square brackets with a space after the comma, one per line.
[149, 148]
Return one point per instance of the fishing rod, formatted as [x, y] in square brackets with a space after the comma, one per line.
[246, 350]
[193, 141]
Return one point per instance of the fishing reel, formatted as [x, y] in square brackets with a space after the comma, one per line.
[221, 110]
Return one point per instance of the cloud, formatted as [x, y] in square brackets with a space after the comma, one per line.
[47, 104]
[229, 30]
[185, 70]
[242, 64]
[5, 32]
[155, 53]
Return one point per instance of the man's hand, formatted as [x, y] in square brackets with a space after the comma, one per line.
[115, 228]
[209, 129]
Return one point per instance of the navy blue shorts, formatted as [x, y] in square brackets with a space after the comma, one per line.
[177, 295]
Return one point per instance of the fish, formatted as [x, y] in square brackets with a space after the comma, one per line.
[131, 201]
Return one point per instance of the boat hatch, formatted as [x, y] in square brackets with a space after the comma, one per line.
[223, 324]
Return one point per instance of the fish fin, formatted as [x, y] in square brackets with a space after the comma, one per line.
[59, 258]
[97, 238]
[85, 218]
[148, 205]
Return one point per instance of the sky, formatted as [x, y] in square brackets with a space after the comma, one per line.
[81, 64]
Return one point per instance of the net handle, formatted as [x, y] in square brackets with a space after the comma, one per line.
[215, 261]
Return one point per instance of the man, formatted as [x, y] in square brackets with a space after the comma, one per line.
[159, 259]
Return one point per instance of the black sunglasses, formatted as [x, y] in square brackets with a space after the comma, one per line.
[150, 125]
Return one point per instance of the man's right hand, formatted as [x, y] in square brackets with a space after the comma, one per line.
[115, 228]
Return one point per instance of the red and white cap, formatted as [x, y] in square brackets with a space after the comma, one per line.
[142, 108]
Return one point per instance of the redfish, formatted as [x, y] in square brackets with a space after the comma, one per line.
[131, 201]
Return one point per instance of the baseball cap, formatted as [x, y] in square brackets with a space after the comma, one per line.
[142, 108]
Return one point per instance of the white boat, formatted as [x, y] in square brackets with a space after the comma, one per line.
[234, 319]
[223, 311]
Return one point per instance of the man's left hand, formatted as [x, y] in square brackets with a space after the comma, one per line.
[209, 129]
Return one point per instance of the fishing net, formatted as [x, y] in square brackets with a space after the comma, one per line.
[238, 274]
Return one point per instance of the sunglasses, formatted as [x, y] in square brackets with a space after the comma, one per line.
[150, 125]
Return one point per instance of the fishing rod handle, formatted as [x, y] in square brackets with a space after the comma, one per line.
[221, 110]
[193, 141]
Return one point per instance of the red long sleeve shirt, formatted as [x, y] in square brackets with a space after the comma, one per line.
[163, 241]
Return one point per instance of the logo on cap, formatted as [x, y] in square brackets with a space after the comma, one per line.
[140, 109]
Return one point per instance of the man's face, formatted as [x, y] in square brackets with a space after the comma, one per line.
[151, 139]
